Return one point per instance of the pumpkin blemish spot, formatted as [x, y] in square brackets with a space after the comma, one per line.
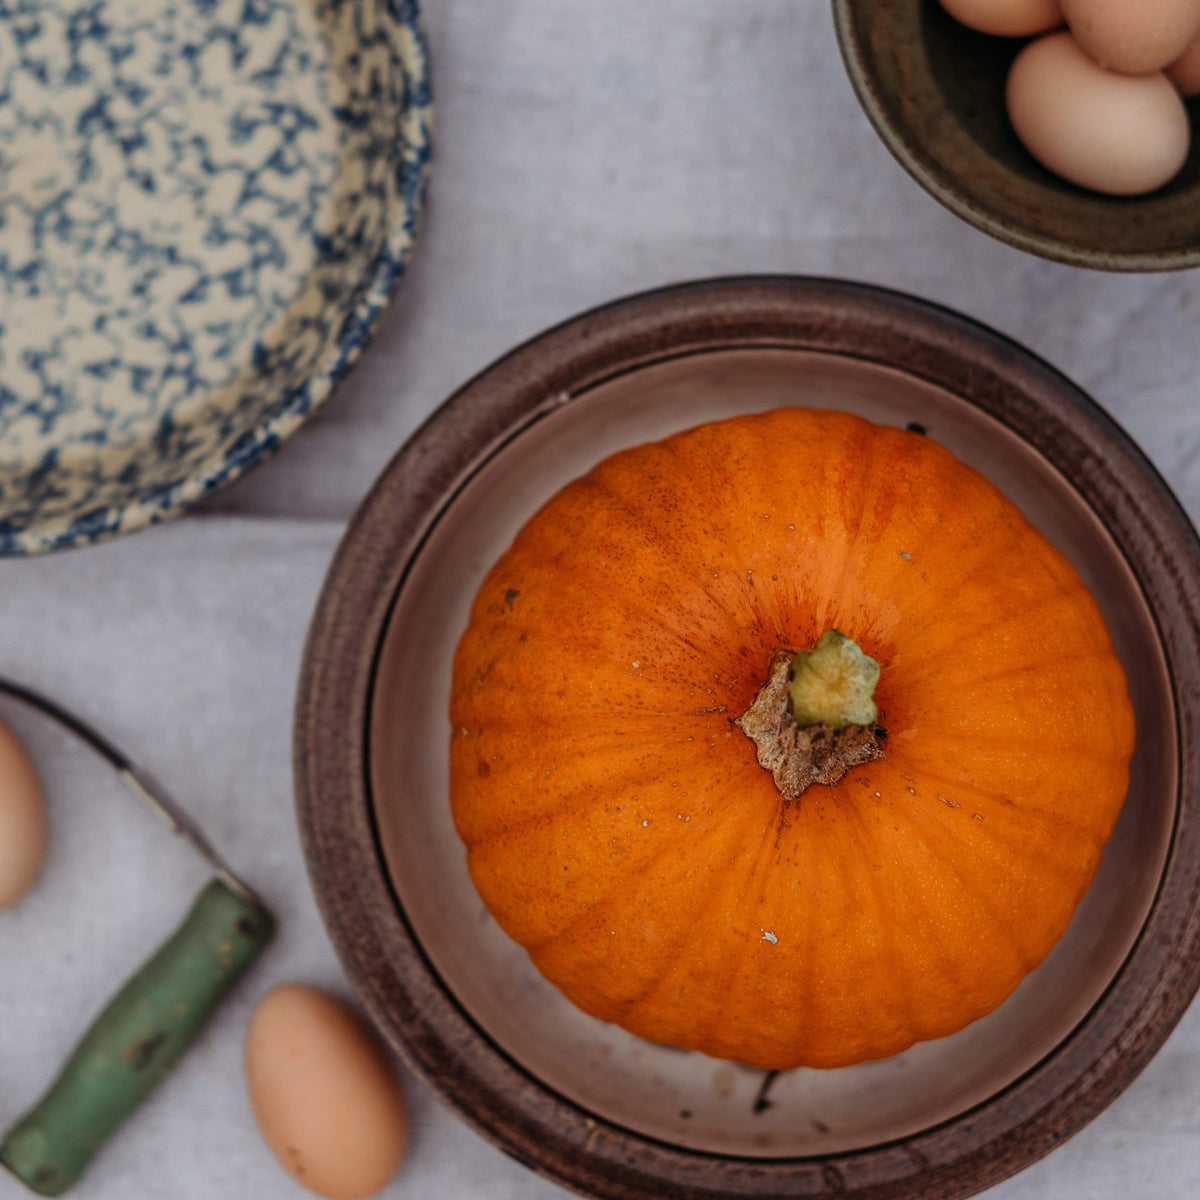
[768, 936]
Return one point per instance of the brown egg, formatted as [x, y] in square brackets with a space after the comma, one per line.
[1133, 36]
[1184, 72]
[1119, 134]
[325, 1094]
[1006, 18]
[22, 820]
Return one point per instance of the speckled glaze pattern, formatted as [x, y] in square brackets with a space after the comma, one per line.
[204, 207]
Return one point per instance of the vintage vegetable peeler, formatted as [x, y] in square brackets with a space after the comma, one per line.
[151, 1021]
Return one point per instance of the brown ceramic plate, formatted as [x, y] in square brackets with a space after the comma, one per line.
[584, 1102]
[934, 90]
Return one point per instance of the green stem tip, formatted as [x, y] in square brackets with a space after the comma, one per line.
[833, 684]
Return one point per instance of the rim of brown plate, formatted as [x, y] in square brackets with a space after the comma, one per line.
[396, 982]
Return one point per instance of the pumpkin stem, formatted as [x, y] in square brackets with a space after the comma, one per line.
[814, 718]
[833, 684]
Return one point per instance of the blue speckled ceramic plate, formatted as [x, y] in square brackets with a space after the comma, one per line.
[204, 206]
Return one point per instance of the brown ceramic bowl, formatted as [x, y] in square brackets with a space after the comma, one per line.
[586, 1103]
[934, 90]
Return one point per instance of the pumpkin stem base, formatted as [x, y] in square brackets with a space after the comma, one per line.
[800, 755]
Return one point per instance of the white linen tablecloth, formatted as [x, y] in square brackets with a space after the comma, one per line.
[583, 151]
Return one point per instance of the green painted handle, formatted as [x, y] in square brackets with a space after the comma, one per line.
[137, 1039]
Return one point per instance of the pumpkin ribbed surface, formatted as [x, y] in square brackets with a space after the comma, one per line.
[618, 824]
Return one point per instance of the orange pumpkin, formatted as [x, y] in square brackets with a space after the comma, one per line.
[718, 840]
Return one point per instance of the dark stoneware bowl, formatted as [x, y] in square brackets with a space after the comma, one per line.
[934, 90]
[584, 1102]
